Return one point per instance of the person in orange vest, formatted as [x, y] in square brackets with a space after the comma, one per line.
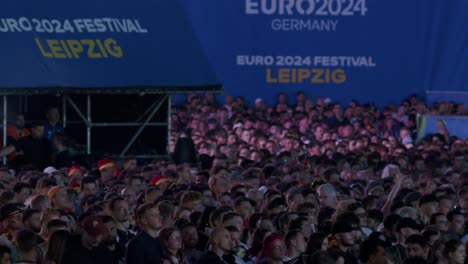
[16, 131]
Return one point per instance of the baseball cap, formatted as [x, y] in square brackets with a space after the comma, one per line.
[9, 210]
[93, 225]
[49, 170]
[105, 163]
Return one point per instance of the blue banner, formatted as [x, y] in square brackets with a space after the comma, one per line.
[374, 51]
[100, 44]
[455, 126]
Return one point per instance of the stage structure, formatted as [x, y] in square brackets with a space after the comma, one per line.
[101, 48]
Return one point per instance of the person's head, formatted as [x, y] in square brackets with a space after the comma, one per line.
[374, 219]
[189, 236]
[429, 205]
[37, 130]
[233, 219]
[22, 192]
[302, 224]
[130, 195]
[31, 220]
[11, 218]
[55, 246]
[107, 169]
[88, 186]
[149, 217]
[20, 121]
[445, 204]
[219, 184]
[344, 234]
[109, 235]
[244, 207]
[5, 255]
[26, 241]
[192, 200]
[373, 252]
[59, 198]
[130, 163]
[455, 252]
[463, 199]
[294, 199]
[327, 195]
[235, 239]
[416, 246]
[137, 183]
[220, 240]
[405, 228]
[172, 239]
[439, 221]
[456, 221]
[93, 230]
[274, 248]
[166, 211]
[40, 202]
[295, 242]
[119, 210]
[52, 115]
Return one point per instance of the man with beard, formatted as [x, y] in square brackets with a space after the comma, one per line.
[31, 220]
[221, 244]
[190, 240]
[344, 234]
[232, 256]
[110, 239]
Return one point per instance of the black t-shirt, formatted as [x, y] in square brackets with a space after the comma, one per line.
[211, 258]
[37, 151]
[143, 249]
[76, 253]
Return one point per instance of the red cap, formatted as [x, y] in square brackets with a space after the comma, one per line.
[73, 169]
[105, 163]
[74, 185]
[156, 180]
[93, 225]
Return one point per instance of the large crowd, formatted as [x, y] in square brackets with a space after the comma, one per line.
[302, 181]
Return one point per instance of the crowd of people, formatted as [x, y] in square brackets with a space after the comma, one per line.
[302, 181]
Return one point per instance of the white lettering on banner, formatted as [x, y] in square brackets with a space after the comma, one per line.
[298, 10]
[243, 60]
[304, 24]
[306, 61]
[306, 7]
[80, 25]
[344, 61]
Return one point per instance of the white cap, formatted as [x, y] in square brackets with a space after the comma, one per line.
[49, 170]
[258, 100]
[237, 125]
[327, 100]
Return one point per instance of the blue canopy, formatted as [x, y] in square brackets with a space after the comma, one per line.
[111, 45]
